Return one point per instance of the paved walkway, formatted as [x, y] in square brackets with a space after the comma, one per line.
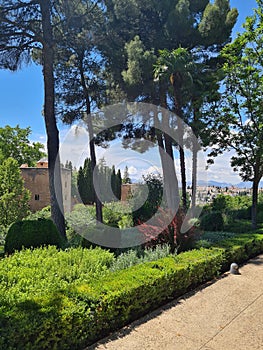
[225, 315]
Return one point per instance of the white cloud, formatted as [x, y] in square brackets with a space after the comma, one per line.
[132, 170]
[154, 170]
[74, 145]
[222, 171]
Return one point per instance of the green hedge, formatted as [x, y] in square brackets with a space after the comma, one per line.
[73, 316]
[240, 248]
[32, 234]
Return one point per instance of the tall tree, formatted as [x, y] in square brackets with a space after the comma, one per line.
[88, 176]
[177, 66]
[113, 180]
[78, 70]
[81, 185]
[85, 183]
[24, 26]
[118, 184]
[109, 183]
[13, 195]
[204, 93]
[200, 27]
[239, 120]
[15, 143]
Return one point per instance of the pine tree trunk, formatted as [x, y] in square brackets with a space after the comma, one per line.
[183, 178]
[254, 203]
[178, 111]
[194, 157]
[194, 175]
[171, 188]
[98, 204]
[55, 187]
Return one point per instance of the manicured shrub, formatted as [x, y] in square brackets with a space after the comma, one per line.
[35, 311]
[213, 221]
[240, 248]
[32, 234]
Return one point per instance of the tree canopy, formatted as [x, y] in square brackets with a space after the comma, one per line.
[13, 195]
[15, 143]
[239, 117]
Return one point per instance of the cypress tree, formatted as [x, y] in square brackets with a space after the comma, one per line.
[118, 184]
[88, 176]
[114, 182]
[81, 184]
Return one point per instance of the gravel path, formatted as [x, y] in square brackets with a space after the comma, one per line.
[224, 315]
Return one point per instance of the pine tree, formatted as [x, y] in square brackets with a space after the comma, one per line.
[201, 27]
[25, 26]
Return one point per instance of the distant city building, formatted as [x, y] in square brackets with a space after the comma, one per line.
[206, 194]
[37, 182]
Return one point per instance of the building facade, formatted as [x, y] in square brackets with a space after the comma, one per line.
[36, 180]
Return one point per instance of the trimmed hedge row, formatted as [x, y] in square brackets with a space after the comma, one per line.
[75, 317]
[240, 248]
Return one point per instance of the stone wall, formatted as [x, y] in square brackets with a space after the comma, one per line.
[37, 182]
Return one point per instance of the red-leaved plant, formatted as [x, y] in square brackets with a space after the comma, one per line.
[161, 233]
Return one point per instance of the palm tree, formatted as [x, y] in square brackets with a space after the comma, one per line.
[176, 65]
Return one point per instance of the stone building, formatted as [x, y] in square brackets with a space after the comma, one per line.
[37, 182]
[128, 190]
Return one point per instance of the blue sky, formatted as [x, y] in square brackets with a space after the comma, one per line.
[21, 93]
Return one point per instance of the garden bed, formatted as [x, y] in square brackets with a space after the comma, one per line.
[68, 303]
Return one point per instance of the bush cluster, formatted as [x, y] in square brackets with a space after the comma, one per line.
[231, 213]
[212, 221]
[81, 222]
[68, 299]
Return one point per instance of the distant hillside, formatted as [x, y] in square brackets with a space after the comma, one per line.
[215, 183]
